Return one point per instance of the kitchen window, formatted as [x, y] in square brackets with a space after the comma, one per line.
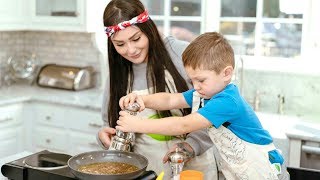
[183, 19]
[269, 28]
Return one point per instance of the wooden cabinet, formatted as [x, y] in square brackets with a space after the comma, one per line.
[52, 15]
[11, 130]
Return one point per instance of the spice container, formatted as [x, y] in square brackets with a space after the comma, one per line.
[122, 141]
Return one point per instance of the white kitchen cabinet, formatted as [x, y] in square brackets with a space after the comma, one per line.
[63, 128]
[83, 142]
[11, 130]
[51, 115]
[50, 138]
[10, 141]
[13, 14]
[91, 120]
[52, 15]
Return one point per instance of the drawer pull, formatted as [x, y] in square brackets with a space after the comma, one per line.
[93, 144]
[48, 118]
[311, 149]
[6, 119]
[48, 141]
[95, 125]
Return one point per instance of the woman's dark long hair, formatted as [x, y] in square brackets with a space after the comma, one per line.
[120, 69]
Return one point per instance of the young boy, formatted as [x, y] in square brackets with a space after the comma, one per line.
[246, 148]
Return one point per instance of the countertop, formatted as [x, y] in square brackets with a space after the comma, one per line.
[283, 126]
[90, 98]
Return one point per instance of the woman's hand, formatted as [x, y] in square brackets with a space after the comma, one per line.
[130, 99]
[128, 123]
[105, 135]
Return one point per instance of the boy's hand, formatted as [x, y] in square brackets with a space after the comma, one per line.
[130, 99]
[128, 123]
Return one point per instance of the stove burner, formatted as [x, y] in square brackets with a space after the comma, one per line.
[46, 165]
[47, 161]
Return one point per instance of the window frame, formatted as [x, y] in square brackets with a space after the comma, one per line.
[210, 21]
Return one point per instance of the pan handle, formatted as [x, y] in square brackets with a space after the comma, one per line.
[148, 175]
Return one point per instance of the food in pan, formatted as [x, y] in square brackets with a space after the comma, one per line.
[109, 168]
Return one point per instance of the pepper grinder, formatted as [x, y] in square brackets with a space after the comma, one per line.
[122, 141]
[176, 160]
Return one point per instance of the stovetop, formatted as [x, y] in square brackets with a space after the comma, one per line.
[22, 169]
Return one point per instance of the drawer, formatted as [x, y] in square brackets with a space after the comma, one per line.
[50, 138]
[52, 115]
[83, 142]
[9, 115]
[85, 120]
[9, 142]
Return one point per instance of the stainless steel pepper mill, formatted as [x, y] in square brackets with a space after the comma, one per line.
[122, 141]
[176, 160]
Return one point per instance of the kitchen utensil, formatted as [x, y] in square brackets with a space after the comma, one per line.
[23, 65]
[122, 141]
[47, 161]
[160, 177]
[191, 175]
[66, 77]
[108, 156]
[176, 160]
[55, 167]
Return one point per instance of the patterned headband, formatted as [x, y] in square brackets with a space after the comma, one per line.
[141, 18]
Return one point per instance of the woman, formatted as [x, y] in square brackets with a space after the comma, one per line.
[141, 61]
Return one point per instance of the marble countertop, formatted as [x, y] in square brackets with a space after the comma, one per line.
[91, 98]
[283, 126]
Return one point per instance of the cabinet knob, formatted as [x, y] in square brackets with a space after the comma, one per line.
[48, 141]
[6, 119]
[48, 118]
[93, 144]
[95, 125]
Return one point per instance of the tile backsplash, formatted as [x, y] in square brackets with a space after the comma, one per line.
[66, 48]
[300, 93]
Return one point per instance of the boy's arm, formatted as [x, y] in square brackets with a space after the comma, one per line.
[165, 126]
[165, 101]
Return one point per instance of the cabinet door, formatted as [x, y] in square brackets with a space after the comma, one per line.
[9, 115]
[54, 15]
[53, 139]
[83, 142]
[9, 141]
[13, 14]
[66, 15]
[84, 120]
[51, 115]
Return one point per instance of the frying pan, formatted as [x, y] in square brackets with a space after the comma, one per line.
[108, 156]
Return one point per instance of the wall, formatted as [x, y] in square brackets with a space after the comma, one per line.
[301, 92]
[66, 48]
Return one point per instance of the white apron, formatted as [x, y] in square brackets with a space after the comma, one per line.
[154, 150]
[239, 160]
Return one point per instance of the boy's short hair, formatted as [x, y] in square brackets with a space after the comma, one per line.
[209, 51]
